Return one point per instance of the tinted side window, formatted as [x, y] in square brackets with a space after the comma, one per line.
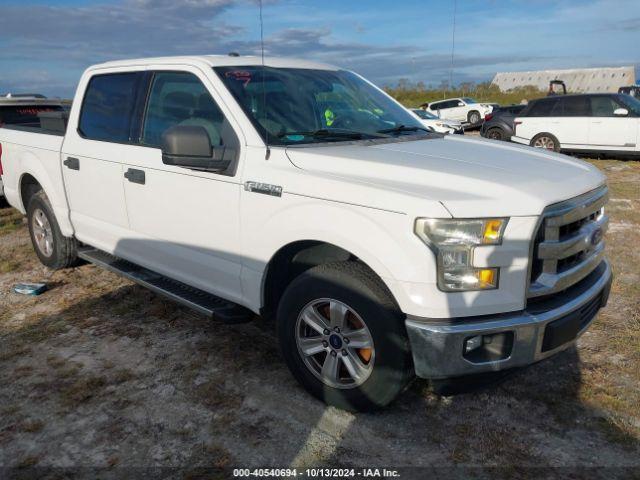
[541, 108]
[107, 107]
[571, 107]
[179, 98]
[603, 106]
[437, 106]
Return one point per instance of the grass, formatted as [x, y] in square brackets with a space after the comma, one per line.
[82, 390]
[413, 95]
[589, 395]
[10, 221]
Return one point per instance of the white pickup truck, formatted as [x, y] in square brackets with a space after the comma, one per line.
[301, 191]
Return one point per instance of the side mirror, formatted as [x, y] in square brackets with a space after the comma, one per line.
[461, 104]
[621, 112]
[190, 147]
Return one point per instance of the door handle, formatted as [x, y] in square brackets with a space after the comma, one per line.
[135, 176]
[72, 163]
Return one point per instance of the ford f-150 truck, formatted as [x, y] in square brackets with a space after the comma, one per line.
[302, 192]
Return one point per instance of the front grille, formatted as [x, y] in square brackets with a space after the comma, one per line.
[569, 243]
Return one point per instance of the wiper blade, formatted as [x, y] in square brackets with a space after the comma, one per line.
[402, 128]
[331, 133]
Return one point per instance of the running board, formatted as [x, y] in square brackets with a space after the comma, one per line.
[199, 300]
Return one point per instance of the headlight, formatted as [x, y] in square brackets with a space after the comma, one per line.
[453, 242]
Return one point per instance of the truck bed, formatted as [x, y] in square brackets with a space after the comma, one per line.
[36, 152]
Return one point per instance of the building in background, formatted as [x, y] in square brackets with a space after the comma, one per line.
[578, 80]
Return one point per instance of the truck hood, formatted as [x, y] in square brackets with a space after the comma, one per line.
[470, 177]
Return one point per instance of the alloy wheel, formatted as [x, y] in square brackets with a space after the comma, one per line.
[545, 142]
[335, 343]
[42, 232]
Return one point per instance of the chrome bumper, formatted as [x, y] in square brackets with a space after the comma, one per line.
[438, 347]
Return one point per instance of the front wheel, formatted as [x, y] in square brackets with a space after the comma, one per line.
[343, 337]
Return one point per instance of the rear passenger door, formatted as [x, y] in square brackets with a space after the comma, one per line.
[93, 155]
[184, 223]
[535, 119]
[569, 121]
[608, 130]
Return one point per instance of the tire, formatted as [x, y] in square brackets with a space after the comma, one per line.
[546, 141]
[473, 117]
[53, 249]
[385, 369]
[495, 133]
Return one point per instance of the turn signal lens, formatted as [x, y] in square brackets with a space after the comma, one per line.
[487, 277]
[492, 231]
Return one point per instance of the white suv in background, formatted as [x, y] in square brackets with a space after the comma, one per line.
[464, 109]
[599, 123]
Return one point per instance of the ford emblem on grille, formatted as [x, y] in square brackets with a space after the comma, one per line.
[596, 236]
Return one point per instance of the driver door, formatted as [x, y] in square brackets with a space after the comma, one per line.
[458, 110]
[185, 223]
[609, 130]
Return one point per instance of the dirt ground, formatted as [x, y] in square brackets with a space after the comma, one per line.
[98, 372]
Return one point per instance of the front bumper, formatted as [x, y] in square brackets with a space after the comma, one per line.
[520, 338]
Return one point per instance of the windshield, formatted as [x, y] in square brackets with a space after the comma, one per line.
[469, 100]
[311, 106]
[632, 103]
[424, 114]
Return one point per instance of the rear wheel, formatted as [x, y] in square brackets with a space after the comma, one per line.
[495, 133]
[53, 249]
[343, 337]
[473, 117]
[546, 141]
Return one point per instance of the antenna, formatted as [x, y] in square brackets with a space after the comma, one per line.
[453, 42]
[264, 90]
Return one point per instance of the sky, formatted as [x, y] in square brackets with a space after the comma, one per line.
[45, 45]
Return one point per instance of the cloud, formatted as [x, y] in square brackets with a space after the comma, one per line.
[63, 39]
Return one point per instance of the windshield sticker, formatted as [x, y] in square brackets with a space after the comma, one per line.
[329, 117]
[240, 75]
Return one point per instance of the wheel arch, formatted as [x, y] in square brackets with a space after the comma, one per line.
[296, 257]
[34, 177]
[28, 186]
[471, 112]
